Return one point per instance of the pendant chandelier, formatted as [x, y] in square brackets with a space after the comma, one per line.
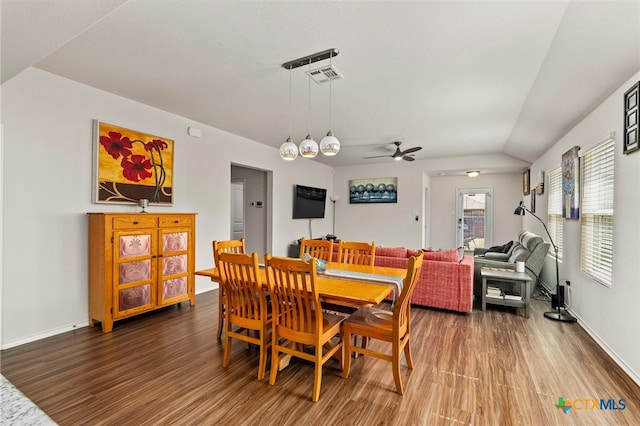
[329, 145]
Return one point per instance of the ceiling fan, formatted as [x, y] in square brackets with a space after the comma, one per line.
[399, 154]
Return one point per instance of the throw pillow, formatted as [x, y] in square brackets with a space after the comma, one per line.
[391, 251]
[501, 249]
[442, 255]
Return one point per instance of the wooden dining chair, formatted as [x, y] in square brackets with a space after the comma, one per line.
[356, 253]
[320, 249]
[298, 320]
[389, 326]
[246, 308]
[227, 246]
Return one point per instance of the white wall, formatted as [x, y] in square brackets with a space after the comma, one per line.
[507, 192]
[47, 171]
[390, 225]
[610, 314]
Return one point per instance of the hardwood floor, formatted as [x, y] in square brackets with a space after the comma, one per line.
[484, 368]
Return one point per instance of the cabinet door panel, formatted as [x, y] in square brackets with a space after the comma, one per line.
[139, 270]
[175, 241]
[175, 287]
[134, 245]
[134, 297]
[172, 265]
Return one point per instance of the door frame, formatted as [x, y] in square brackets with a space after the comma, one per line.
[244, 206]
[488, 215]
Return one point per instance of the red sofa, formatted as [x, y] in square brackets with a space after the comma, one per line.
[445, 281]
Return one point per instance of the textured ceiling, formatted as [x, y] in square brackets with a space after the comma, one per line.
[483, 80]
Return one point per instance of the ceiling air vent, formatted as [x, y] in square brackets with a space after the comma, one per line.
[324, 74]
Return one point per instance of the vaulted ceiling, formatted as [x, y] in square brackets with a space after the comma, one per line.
[466, 78]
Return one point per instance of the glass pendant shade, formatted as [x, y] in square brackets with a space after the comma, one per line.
[288, 150]
[308, 147]
[329, 145]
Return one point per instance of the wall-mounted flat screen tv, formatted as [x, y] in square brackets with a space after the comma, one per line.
[308, 202]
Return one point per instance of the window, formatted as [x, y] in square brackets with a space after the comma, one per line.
[596, 251]
[554, 218]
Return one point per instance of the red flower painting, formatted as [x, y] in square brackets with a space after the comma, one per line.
[116, 145]
[136, 167]
[133, 165]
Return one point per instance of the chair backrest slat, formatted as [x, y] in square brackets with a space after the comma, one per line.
[402, 305]
[227, 246]
[320, 249]
[240, 279]
[356, 253]
[296, 302]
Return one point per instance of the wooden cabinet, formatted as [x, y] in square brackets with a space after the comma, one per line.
[139, 262]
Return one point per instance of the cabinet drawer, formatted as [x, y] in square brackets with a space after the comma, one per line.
[170, 221]
[132, 222]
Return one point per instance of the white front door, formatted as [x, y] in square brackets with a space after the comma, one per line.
[474, 218]
[237, 209]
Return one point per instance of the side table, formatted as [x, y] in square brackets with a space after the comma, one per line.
[498, 276]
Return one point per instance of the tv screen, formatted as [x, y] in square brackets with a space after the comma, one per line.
[308, 202]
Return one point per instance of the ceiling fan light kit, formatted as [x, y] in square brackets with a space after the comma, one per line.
[406, 155]
[329, 145]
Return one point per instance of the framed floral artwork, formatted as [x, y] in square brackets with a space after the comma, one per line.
[131, 165]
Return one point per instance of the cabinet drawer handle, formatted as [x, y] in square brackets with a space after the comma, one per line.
[176, 221]
[135, 222]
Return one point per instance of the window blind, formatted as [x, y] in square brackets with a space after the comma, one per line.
[596, 250]
[554, 209]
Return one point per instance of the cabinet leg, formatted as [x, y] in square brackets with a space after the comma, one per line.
[107, 326]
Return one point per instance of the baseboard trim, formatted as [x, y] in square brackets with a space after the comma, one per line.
[630, 372]
[64, 329]
[46, 334]
[627, 369]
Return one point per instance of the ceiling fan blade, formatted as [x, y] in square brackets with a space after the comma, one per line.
[410, 150]
[377, 156]
[408, 158]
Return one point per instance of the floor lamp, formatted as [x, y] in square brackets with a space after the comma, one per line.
[333, 199]
[558, 314]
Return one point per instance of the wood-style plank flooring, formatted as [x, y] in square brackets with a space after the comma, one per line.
[483, 368]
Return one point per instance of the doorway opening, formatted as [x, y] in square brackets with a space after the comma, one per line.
[250, 203]
[474, 224]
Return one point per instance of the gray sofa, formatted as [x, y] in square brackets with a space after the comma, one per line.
[529, 248]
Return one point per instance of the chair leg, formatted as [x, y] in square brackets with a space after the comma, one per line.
[346, 352]
[407, 352]
[274, 362]
[262, 366]
[317, 378]
[227, 349]
[220, 312]
[395, 356]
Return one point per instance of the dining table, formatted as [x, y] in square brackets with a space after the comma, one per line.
[345, 284]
